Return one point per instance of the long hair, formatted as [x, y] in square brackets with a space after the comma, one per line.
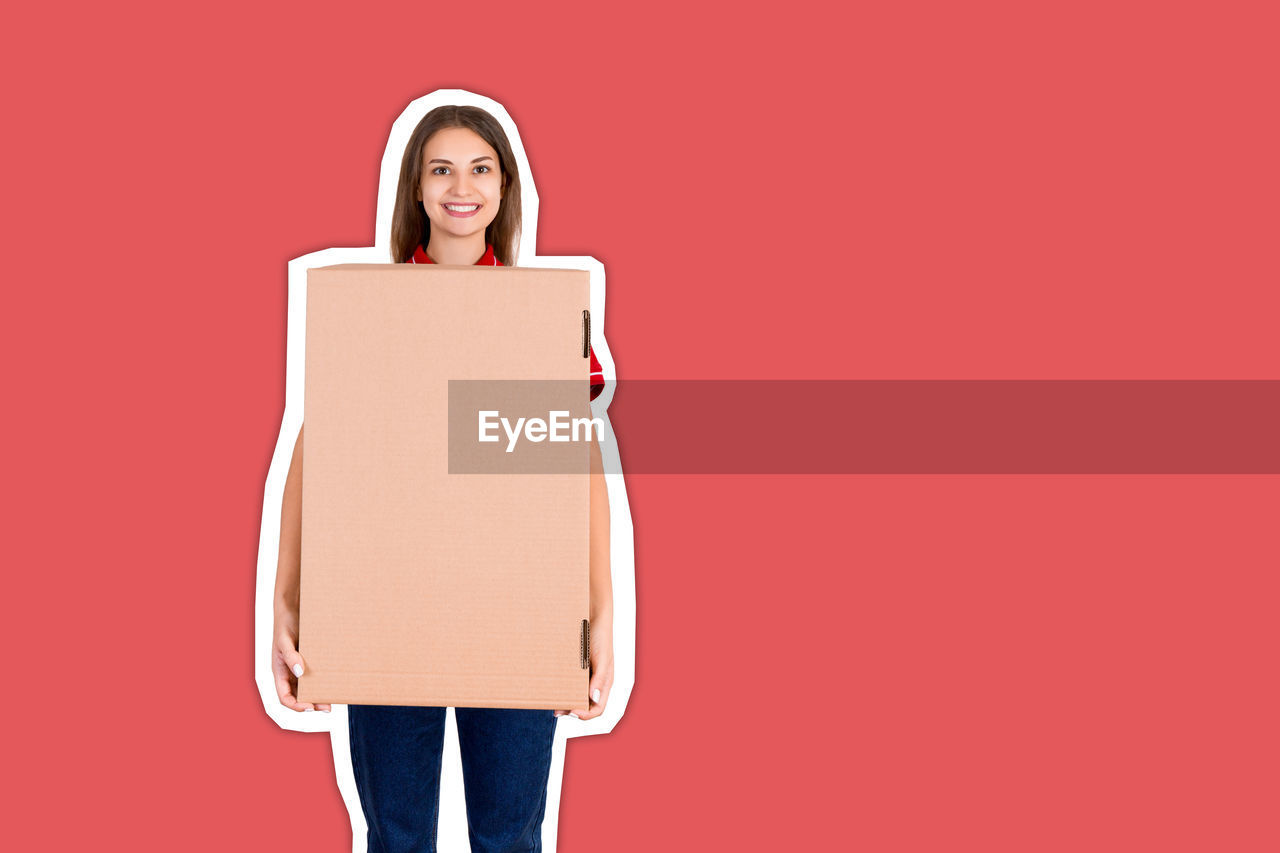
[409, 223]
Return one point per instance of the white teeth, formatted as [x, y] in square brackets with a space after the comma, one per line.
[462, 208]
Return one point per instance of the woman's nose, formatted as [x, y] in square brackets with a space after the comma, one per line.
[462, 186]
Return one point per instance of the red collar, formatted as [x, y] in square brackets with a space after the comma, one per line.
[486, 260]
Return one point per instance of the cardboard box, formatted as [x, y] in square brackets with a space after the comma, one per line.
[420, 586]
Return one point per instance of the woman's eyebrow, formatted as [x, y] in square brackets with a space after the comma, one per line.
[450, 162]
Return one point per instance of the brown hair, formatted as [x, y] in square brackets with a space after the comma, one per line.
[409, 223]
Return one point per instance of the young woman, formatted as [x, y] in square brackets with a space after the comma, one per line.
[458, 202]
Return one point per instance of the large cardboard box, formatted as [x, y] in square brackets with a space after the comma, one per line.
[420, 586]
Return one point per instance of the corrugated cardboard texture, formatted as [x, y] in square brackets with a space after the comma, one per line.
[420, 587]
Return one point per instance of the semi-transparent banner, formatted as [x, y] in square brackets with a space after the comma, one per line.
[979, 426]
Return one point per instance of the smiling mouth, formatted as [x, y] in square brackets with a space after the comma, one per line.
[462, 210]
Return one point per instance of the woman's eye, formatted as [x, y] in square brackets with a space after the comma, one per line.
[481, 169]
[440, 170]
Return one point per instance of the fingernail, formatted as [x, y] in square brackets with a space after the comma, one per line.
[595, 695]
[297, 669]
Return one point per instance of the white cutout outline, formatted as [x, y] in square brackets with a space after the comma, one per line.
[452, 825]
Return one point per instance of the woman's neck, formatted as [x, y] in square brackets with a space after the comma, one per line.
[459, 251]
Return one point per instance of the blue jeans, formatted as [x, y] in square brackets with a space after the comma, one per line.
[396, 753]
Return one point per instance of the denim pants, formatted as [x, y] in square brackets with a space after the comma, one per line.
[396, 754]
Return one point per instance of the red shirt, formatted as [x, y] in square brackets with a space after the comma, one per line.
[488, 260]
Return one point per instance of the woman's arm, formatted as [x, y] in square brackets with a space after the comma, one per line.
[289, 566]
[601, 592]
[286, 663]
[601, 579]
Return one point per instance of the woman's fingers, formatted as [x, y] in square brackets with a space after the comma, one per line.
[597, 705]
[601, 684]
[289, 652]
[287, 665]
[285, 683]
[600, 696]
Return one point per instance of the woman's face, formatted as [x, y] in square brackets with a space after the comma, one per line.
[461, 182]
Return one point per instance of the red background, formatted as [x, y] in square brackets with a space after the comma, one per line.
[984, 190]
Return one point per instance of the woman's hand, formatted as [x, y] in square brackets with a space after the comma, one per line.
[287, 664]
[601, 670]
